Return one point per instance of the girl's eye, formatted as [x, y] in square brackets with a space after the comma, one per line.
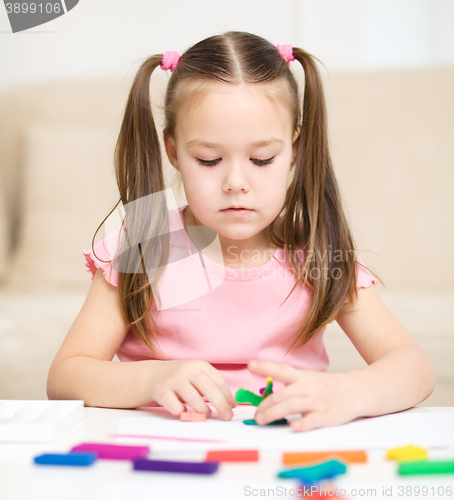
[208, 163]
[212, 163]
[261, 163]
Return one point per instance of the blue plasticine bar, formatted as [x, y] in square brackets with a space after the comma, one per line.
[325, 470]
[282, 421]
[166, 466]
[74, 459]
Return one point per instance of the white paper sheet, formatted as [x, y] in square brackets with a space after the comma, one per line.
[168, 486]
[431, 430]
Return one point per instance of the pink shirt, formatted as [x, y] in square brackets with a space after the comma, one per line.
[237, 317]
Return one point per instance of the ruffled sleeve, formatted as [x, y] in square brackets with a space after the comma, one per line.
[105, 253]
[363, 277]
[102, 257]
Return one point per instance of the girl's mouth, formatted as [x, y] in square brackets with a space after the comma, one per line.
[237, 212]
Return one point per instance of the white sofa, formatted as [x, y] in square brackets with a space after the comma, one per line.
[391, 137]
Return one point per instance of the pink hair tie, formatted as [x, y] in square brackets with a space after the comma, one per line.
[170, 60]
[286, 51]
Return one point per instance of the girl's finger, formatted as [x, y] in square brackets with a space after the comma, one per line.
[171, 403]
[308, 422]
[296, 404]
[223, 385]
[286, 392]
[207, 387]
[190, 395]
[280, 371]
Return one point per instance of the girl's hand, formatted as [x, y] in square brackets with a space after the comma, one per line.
[174, 382]
[323, 399]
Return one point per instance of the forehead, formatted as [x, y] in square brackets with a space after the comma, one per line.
[219, 112]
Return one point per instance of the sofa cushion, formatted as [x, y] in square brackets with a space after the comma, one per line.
[68, 188]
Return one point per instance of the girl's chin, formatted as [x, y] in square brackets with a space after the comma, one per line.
[230, 236]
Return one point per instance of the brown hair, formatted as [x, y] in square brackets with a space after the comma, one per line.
[312, 216]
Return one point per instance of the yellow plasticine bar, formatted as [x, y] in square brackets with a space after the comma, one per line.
[407, 453]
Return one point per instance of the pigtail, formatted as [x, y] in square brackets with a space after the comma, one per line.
[138, 165]
[138, 160]
[314, 215]
[143, 246]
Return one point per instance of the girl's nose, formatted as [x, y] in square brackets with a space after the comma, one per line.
[236, 179]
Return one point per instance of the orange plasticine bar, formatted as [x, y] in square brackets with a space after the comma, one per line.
[356, 456]
[192, 416]
[232, 456]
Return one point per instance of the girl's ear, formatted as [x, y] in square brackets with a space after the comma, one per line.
[295, 145]
[171, 150]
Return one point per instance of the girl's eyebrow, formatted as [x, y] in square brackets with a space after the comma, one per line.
[210, 145]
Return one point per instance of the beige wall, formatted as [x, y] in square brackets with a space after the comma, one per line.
[393, 149]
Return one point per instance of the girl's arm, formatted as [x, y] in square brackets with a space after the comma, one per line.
[399, 374]
[83, 367]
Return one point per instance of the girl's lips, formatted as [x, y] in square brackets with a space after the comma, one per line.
[237, 212]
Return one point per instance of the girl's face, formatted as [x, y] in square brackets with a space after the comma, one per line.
[234, 147]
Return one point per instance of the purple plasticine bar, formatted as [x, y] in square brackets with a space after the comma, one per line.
[113, 451]
[188, 467]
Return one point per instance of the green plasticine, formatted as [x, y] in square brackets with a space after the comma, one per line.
[283, 421]
[268, 390]
[244, 396]
[427, 467]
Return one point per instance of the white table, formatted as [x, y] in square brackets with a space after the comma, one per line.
[21, 479]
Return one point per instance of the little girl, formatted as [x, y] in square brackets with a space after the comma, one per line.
[265, 258]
